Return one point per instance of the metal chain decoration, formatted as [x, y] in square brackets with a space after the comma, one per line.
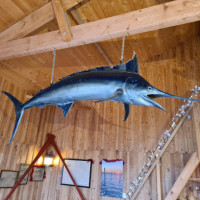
[53, 66]
[134, 185]
[122, 52]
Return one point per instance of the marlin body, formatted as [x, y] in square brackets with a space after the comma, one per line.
[122, 83]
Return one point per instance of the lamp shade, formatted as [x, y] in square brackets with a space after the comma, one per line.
[48, 159]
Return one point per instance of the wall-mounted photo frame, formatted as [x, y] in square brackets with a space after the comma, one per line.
[22, 169]
[81, 171]
[112, 178]
[8, 178]
[37, 173]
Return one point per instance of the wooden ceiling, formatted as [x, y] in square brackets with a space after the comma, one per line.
[34, 72]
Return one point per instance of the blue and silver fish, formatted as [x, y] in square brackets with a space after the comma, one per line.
[120, 83]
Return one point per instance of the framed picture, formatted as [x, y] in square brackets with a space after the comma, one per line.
[22, 169]
[80, 170]
[112, 178]
[37, 173]
[8, 178]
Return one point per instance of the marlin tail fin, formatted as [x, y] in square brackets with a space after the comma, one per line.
[19, 110]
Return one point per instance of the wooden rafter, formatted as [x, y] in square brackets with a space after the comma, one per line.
[148, 19]
[62, 20]
[35, 20]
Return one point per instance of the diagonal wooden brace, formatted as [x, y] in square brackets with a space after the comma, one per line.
[50, 141]
[62, 20]
[183, 177]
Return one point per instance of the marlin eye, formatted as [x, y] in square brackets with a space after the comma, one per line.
[150, 88]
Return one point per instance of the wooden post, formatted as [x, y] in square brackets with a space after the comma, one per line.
[196, 114]
[158, 177]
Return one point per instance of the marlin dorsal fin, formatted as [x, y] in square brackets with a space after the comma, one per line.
[105, 68]
[130, 66]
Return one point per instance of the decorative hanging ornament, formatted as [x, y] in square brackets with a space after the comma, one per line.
[122, 52]
[53, 66]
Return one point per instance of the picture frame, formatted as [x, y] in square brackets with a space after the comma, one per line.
[37, 173]
[112, 178]
[81, 171]
[8, 178]
[23, 167]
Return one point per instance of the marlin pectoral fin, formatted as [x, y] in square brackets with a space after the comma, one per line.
[127, 109]
[41, 105]
[117, 93]
[152, 103]
[65, 108]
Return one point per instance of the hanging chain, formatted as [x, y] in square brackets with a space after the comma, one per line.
[122, 52]
[54, 60]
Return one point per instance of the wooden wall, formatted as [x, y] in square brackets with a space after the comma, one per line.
[97, 131]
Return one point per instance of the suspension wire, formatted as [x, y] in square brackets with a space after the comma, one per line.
[122, 52]
[54, 60]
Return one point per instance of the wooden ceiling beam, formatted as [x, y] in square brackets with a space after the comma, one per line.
[35, 20]
[62, 20]
[140, 21]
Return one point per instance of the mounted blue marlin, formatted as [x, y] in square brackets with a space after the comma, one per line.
[121, 83]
